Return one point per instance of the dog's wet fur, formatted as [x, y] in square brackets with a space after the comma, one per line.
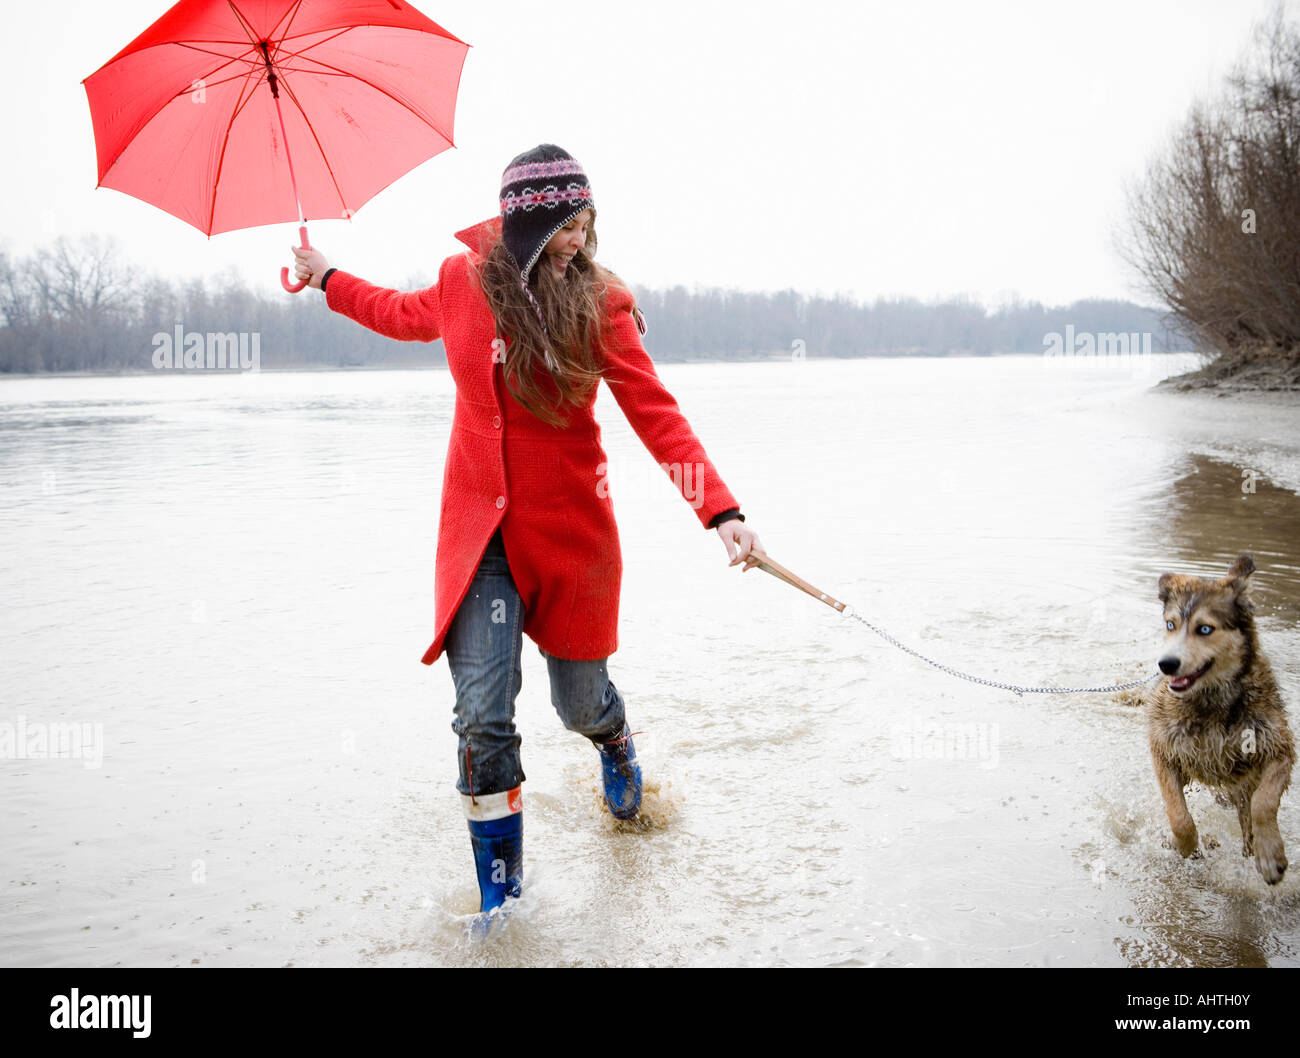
[1216, 716]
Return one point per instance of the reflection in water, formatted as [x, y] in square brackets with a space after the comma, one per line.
[1217, 510]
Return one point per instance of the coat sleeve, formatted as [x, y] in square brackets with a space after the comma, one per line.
[413, 317]
[654, 415]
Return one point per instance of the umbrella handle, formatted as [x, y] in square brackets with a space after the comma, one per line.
[293, 288]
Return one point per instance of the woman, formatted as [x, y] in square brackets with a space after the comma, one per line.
[527, 541]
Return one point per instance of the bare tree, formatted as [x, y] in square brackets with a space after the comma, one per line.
[86, 278]
[15, 299]
[1213, 226]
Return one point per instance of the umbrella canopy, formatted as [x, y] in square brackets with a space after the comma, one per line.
[185, 116]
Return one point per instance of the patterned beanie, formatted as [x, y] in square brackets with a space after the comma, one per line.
[541, 191]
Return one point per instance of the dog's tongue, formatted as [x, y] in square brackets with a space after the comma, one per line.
[1181, 683]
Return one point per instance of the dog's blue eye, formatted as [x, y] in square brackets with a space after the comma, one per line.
[1204, 630]
[1169, 625]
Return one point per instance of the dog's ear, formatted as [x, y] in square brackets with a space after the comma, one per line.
[1165, 586]
[1242, 567]
[1238, 579]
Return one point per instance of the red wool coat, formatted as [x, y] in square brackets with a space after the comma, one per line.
[544, 486]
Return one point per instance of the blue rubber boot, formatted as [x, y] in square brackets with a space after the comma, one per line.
[621, 775]
[496, 831]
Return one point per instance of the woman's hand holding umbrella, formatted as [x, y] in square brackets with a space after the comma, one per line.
[311, 265]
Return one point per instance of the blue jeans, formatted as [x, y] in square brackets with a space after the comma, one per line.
[483, 648]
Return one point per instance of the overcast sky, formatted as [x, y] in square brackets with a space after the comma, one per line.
[872, 149]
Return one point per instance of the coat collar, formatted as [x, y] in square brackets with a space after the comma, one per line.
[479, 237]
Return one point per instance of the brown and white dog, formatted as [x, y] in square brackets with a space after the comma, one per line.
[1217, 717]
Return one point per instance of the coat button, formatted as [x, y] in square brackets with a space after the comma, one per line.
[501, 502]
[496, 422]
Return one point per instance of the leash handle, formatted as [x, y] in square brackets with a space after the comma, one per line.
[762, 561]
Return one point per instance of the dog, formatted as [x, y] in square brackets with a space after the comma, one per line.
[1216, 716]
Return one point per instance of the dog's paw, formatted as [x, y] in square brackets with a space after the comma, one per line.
[1209, 841]
[1186, 843]
[1270, 860]
[1184, 848]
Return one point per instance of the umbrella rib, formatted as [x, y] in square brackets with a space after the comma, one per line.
[230, 59]
[194, 41]
[328, 69]
[287, 25]
[387, 94]
[288, 88]
[286, 35]
[225, 142]
[213, 84]
[441, 33]
[302, 52]
[299, 53]
[248, 29]
[243, 23]
[314, 73]
[161, 107]
[194, 46]
[239, 15]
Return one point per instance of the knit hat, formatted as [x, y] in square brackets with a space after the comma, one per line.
[541, 191]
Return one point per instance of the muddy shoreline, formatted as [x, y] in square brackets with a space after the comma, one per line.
[1245, 375]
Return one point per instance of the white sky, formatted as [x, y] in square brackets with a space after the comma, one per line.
[920, 148]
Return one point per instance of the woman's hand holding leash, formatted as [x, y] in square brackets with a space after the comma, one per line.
[311, 265]
[739, 540]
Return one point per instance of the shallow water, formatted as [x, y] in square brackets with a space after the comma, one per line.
[233, 577]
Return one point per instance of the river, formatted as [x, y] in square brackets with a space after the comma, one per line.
[225, 582]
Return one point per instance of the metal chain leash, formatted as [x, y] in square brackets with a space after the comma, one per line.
[849, 611]
[765, 562]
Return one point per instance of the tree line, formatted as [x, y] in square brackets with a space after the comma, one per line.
[77, 306]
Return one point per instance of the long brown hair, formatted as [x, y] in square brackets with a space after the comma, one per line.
[573, 307]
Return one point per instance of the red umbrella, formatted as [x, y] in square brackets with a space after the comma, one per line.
[234, 113]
